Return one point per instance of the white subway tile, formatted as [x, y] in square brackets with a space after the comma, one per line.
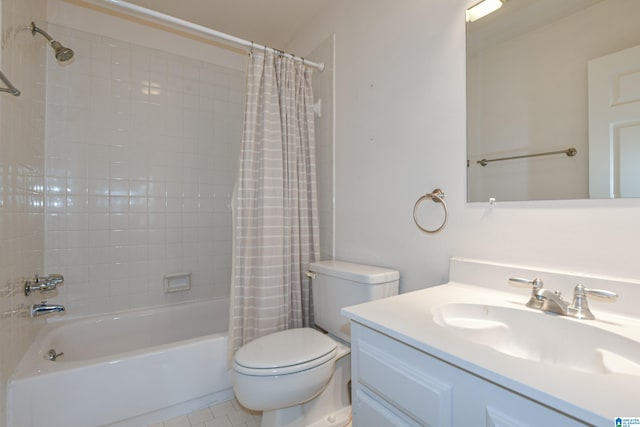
[138, 144]
[118, 204]
[118, 221]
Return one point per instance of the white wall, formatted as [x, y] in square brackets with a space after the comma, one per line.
[323, 93]
[400, 132]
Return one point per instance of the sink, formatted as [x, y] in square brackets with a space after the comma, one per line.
[542, 337]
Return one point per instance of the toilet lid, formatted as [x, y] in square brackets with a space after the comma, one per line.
[284, 352]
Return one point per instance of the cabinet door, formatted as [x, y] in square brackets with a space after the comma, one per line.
[399, 375]
[371, 412]
[496, 418]
[510, 410]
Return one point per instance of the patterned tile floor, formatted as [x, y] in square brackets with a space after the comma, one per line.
[227, 414]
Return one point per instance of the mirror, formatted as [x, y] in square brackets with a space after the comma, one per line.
[545, 78]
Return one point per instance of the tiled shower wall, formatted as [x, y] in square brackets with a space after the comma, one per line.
[21, 180]
[142, 149]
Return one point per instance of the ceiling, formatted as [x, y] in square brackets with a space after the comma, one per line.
[518, 17]
[273, 23]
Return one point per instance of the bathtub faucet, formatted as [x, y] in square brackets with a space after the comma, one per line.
[44, 308]
[43, 284]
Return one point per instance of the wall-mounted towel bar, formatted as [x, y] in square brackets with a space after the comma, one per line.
[569, 152]
[10, 88]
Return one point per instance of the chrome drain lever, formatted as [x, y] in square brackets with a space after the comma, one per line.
[53, 356]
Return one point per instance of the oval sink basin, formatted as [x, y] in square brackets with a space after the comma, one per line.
[542, 337]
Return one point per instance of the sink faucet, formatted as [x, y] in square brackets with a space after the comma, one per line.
[580, 308]
[44, 308]
[536, 285]
[551, 301]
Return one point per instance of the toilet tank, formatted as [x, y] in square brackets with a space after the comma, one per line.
[337, 284]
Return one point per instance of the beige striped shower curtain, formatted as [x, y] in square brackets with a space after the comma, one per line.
[276, 228]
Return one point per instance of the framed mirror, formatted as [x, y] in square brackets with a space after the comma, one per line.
[553, 101]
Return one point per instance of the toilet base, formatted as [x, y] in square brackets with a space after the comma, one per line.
[331, 408]
[294, 417]
[339, 418]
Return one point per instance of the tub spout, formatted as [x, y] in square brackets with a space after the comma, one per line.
[44, 308]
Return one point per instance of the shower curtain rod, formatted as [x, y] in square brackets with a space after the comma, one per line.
[119, 5]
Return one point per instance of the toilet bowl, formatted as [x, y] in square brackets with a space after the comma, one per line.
[283, 369]
[300, 377]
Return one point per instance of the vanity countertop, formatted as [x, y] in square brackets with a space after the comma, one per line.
[596, 398]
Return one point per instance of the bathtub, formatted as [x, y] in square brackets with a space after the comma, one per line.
[124, 369]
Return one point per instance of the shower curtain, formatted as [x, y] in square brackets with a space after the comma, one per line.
[276, 232]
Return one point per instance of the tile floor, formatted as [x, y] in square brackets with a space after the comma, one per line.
[226, 414]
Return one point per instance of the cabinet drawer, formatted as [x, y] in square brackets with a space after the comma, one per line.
[397, 374]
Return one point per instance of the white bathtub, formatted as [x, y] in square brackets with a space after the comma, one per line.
[125, 369]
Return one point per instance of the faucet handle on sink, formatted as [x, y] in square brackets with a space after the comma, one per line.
[535, 283]
[580, 307]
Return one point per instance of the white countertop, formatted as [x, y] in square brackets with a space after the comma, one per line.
[594, 398]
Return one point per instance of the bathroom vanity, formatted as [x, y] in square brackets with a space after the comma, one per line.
[471, 352]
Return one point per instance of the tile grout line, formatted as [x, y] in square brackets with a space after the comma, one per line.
[225, 414]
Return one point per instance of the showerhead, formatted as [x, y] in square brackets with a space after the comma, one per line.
[62, 53]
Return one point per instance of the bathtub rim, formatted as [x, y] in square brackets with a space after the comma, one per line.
[67, 317]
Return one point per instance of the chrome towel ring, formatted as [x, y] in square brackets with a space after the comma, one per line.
[437, 196]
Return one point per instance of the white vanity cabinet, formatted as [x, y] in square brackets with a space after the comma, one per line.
[394, 384]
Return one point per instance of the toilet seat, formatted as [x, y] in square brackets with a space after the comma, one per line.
[285, 352]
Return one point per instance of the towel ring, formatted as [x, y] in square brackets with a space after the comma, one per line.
[437, 196]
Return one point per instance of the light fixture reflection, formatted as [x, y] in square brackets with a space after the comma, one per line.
[482, 9]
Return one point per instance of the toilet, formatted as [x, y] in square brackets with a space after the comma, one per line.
[301, 377]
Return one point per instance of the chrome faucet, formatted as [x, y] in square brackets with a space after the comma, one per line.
[536, 285]
[43, 284]
[44, 308]
[580, 308]
[53, 355]
[551, 301]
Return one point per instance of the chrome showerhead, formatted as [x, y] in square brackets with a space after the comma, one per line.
[62, 53]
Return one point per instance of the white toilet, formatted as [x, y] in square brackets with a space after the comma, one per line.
[300, 377]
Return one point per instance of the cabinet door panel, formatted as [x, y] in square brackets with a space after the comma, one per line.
[510, 410]
[496, 418]
[368, 412]
[397, 374]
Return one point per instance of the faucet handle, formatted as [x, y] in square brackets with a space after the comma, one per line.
[57, 279]
[43, 284]
[580, 307]
[535, 283]
[599, 293]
